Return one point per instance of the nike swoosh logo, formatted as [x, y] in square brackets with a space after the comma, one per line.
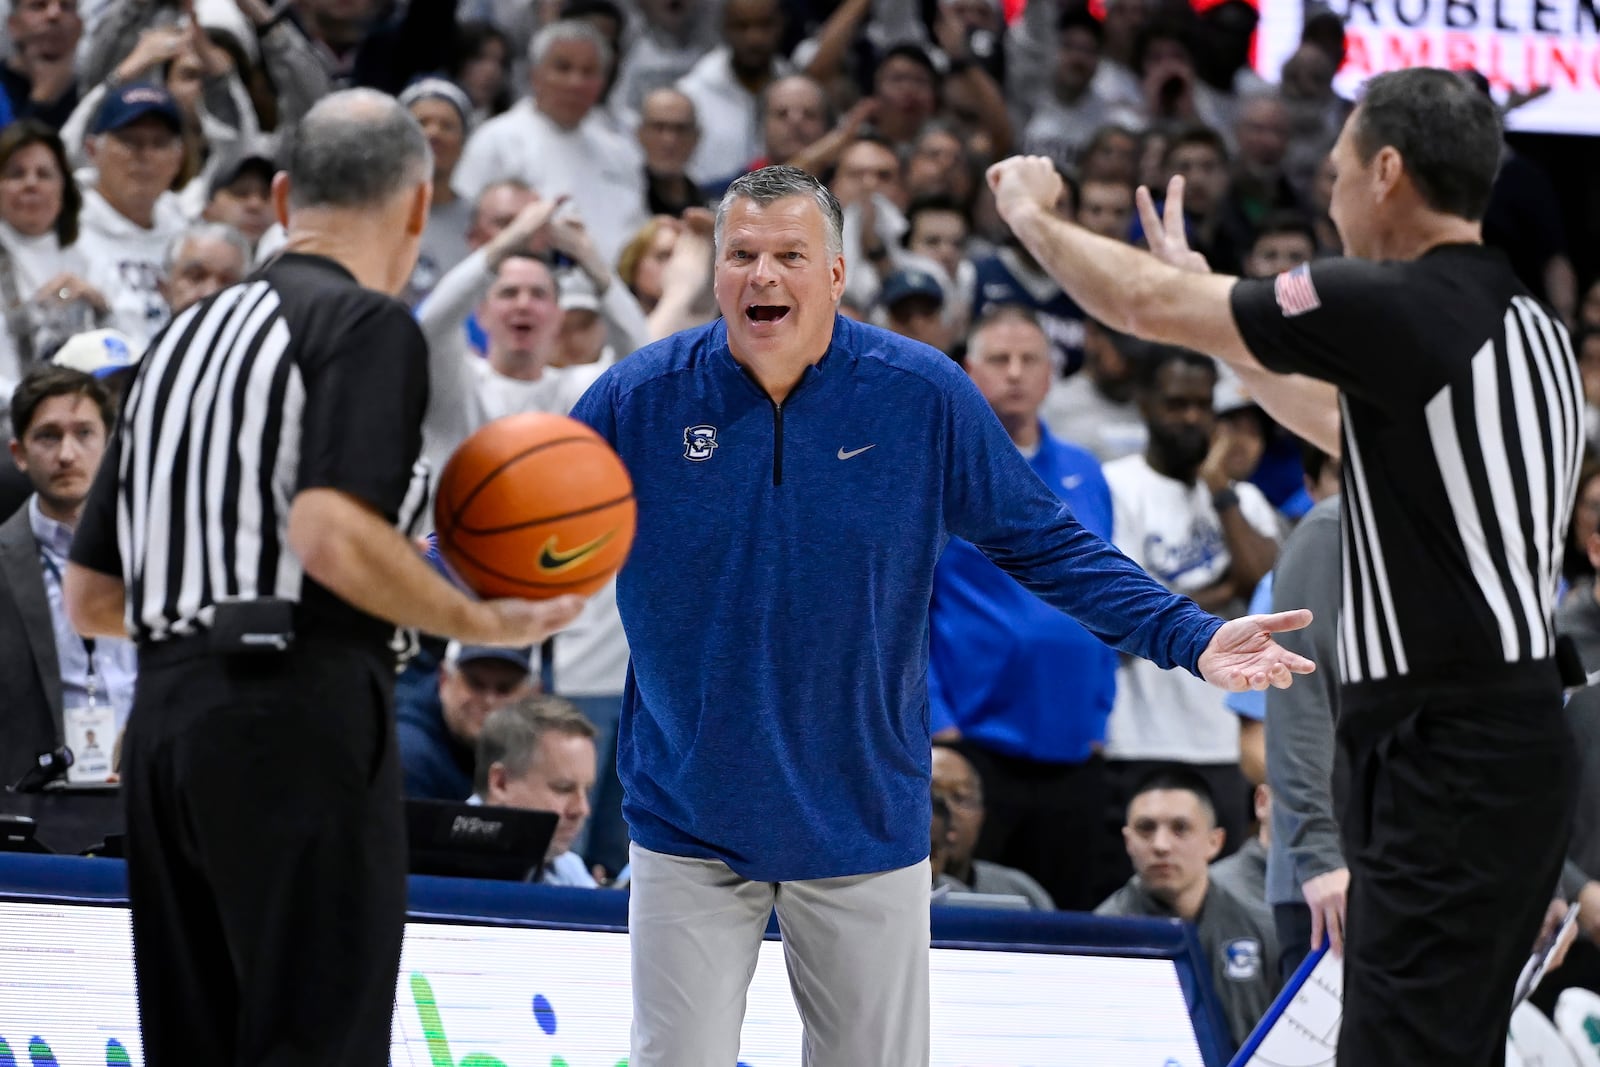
[1072, 481]
[554, 561]
[851, 455]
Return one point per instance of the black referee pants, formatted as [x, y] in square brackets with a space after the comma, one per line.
[1455, 824]
[266, 857]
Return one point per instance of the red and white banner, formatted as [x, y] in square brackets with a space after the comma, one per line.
[1519, 45]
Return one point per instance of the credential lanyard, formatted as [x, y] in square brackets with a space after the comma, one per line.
[88, 642]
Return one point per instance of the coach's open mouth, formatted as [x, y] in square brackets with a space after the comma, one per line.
[766, 312]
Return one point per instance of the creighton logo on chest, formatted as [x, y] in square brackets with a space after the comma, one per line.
[699, 442]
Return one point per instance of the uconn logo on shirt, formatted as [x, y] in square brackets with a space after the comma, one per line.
[699, 442]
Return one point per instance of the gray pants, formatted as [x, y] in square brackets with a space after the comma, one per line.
[856, 949]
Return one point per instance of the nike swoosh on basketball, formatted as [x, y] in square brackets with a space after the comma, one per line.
[855, 452]
[553, 560]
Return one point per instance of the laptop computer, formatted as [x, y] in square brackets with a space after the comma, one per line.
[476, 841]
[944, 898]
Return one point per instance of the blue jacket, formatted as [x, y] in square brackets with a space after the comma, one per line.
[434, 765]
[1010, 671]
[776, 600]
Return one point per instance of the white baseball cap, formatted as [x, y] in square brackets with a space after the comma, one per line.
[98, 352]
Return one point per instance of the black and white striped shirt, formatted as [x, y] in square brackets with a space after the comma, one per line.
[295, 379]
[1463, 434]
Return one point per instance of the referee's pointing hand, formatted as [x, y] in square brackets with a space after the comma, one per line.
[1242, 655]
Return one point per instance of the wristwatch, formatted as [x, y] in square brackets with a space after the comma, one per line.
[1223, 499]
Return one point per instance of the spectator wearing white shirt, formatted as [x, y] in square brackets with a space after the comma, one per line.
[559, 144]
[1179, 516]
[609, 19]
[1078, 103]
[669, 39]
[1096, 408]
[539, 754]
[42, 270]
[129, 217]
[202, 261]
[515, 295]
[522, 316]
[726, 86]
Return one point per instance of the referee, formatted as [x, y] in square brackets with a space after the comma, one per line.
[246, 530]
[1462, 432]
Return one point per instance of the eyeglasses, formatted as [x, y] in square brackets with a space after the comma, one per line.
[964, 801]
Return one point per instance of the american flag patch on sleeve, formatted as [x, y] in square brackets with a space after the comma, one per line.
[1296, 295]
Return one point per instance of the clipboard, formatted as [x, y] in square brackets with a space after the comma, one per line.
[1301, 1028]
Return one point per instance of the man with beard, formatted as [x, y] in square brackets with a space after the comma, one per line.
[39, 75]
[1180, 517]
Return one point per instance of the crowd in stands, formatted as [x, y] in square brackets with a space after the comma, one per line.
[580, 147]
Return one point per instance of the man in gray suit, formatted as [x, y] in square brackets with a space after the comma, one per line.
[60, 420]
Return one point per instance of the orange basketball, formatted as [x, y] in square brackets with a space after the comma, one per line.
[534, 506]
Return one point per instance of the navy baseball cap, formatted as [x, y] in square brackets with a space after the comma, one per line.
[261, 166]
[128, 104]
[907, 283]
[517, 657]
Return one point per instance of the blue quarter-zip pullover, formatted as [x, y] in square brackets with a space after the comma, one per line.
[776, 600]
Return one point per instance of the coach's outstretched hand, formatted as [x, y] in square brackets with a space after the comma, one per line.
[519, 623]
[1242, 655]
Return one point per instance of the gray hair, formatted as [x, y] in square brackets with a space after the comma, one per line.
[511, 735]
[996, 314]
[770, 184]
[355, 148]
[564, 30]
[207, 231]
[829, 112]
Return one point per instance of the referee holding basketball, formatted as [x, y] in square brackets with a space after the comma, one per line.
[1462, 432]
[247, 530]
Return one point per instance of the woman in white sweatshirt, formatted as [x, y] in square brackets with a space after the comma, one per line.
[42, 289]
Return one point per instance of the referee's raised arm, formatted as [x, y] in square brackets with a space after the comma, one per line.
[1169, 296]
[249, 531]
